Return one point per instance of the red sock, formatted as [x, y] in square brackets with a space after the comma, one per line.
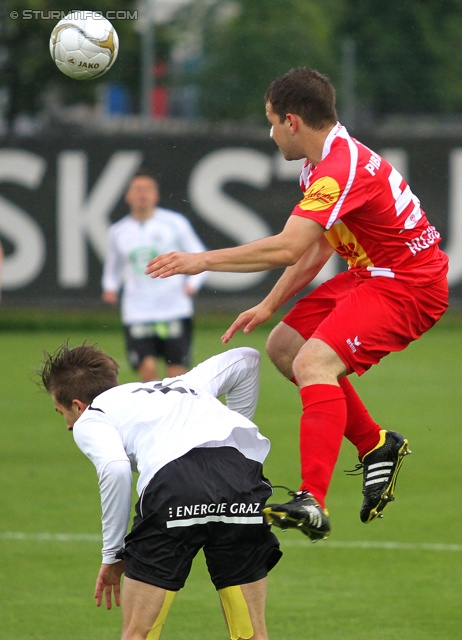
[321, 431]
[360, 430]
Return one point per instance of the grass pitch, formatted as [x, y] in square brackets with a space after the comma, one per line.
[394, 578]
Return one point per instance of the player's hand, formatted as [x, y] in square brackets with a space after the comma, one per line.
[189, 290]
[171, 264]
[110, 297]
[108, 580]
[247, 321]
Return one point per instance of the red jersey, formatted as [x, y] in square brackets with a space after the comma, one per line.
[371, 217]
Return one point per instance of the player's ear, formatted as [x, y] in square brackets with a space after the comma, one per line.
[293, 122]
[157, 193]
[79, 405]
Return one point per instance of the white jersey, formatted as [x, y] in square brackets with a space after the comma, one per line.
[131, 244]
[142, 427]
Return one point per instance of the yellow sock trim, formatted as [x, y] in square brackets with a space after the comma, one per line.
[381, 442]
[155, 632]
[236, 613]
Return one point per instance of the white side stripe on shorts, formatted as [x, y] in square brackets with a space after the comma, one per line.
[228, 519]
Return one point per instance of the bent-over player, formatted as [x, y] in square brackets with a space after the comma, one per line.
[200, 484]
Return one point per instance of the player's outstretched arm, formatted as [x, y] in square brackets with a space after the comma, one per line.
[107, 582]
[293, 280]
[234, 373]
[175, 262]
[271, 252]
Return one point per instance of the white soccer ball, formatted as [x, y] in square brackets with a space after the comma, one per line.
[84, 45]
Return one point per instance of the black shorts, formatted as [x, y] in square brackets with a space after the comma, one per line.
[168, 340]
[210, 499]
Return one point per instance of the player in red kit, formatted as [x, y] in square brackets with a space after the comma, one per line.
[356, 204]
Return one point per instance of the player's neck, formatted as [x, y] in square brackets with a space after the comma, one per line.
[314, 145]
[142, 214]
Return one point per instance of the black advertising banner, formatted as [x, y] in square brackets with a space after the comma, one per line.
[58, 195]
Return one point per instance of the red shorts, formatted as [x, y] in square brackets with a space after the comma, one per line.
[365, 319]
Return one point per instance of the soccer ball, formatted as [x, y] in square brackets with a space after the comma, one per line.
[84, 45]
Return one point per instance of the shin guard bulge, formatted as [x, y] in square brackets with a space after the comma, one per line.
[322, 427]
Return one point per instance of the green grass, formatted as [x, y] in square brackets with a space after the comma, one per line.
[395, 578]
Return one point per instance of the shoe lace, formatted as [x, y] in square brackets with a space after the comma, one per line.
[357, 471]
[281, 486]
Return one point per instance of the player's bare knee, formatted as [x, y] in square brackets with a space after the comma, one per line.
[148, 369]
[282, 346]
[272, 346]
[277, 356]
[317, 363]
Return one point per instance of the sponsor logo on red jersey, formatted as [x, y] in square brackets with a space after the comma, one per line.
[322, 194]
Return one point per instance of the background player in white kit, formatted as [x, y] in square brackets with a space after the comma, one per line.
[200, 482]
[157, 316]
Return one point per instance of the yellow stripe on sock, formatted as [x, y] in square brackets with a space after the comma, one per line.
[155, 632]
[236, 613]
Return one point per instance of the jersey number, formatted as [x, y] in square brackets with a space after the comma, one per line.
[165, 389]
[403, 199]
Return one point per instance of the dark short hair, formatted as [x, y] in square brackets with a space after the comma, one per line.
[80, 373]
[306, 93]
[144, 172]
